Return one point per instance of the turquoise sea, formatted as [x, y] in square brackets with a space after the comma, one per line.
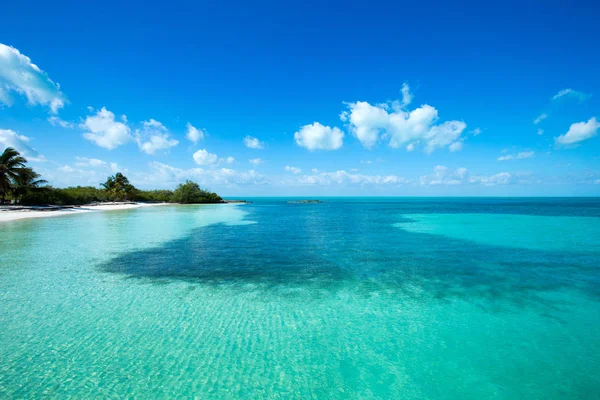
[354, 298]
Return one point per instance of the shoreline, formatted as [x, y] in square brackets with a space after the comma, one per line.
[16, 214]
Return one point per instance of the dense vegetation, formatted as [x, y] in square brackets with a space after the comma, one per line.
[20, 184]
[190, 193]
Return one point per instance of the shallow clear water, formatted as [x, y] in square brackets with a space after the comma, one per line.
[352, 298]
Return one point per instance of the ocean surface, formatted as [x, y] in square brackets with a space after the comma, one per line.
[354, 298]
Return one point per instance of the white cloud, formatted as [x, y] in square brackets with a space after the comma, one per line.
[193, 134]
[579, 132]
[56, 121]
[66, 168]
[104, 131]
[570, 93]
[84, 162]
[475, 131]
[85, 173]
[10, 138]
[461, 176]
[318, 137]
[154, 136]
[203, 157]
[18, 74]
[255, 161]
[370, 123]
[253, 143]
[170, 176]
[230, 160]
[456, 146]
[157, 142]
[89, 162]
[502, 178]
[346, 178]
[540, 131]
[540, 118]
[293, 170]
[406, 95]
[519, 156]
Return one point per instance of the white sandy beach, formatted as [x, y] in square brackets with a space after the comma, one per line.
[13, 215]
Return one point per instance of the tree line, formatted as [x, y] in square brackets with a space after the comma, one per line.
[20, 184]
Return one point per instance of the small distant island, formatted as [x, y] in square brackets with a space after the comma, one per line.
[21, 186]
[305, 202]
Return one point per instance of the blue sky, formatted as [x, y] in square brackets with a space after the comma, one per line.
[305, 98]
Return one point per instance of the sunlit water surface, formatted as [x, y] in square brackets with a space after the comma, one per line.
[352, 298]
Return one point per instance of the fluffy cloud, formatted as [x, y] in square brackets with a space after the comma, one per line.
[347, 178]
[193, 134]
[230, 160]
[318, 137]
[253, 143]
[293, 170]
[403, 128]
[9, 138]
[540, 118]
[461, 176]
[203, 157]
[154, 136]
[105, 131]
[19, 75]
[570, 93]
[255, 161]
[519, 156]
[579, 132]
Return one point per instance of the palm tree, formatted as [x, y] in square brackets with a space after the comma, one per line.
[11, 164]
[118, 187]
[27, 180]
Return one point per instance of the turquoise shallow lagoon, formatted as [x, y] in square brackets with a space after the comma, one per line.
[352, 298]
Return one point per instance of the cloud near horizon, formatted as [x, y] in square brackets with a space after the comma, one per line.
[341, 177]
[18, 74]
[171, 176]
[443, 175]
